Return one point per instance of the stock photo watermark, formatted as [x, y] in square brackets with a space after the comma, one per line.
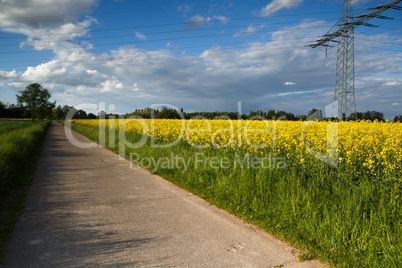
[201, 160]
[238, 130]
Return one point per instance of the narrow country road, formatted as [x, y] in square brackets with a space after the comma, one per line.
[87, 207]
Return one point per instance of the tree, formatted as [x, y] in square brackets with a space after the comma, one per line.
[355, 116]
[168, 113]
[2, 109]
[271, 114]
[91, 116]
[35, 100]
[61, 112]
[102, 115]
[315, 114]
[80, 114]
[377, 116]
[58, 113]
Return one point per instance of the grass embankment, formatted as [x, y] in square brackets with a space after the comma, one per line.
[21, 142]
[331, 213]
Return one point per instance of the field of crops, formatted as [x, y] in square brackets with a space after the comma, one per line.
[18, 139]
[333, 189]
[20, 145]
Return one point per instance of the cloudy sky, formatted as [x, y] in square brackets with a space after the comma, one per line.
[200, 55]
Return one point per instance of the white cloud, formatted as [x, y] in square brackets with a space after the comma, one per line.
[4, 75]
[197, 21]
[48, 26]
[289, 83]
[184, 8]
[140, 35]
[393, 83]
[35, 14]
[222, 19]
[57, 38]
[113, 85]
[354, 2]
[135, 87]
[276, 5]
[250, 30]
[395, 104]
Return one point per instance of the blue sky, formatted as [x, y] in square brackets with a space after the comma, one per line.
[196, 55]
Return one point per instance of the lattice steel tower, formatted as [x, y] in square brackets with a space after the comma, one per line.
[344, 104]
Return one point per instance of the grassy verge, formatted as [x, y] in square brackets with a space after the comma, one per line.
[330, 213]
[20, 145]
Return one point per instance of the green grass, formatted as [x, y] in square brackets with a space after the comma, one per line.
[327, 212]
[21, 142]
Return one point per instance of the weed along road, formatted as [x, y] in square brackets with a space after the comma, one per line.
[86, 206]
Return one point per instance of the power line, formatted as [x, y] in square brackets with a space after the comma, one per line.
[224, 44]
[90, 60]
[98, 13]
[161, 32]
[173, 24]
[158, 40]
[185, 7]
[279, 47]
[155, 33]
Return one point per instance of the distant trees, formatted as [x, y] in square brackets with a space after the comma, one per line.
[35, 100]
[147, 113]
[60, 113]
[91, 116]
[12, 111]
[168, 113]
[80, 114]
[215, 114]
[369, 115]
[3, 109]
[315, 114]
[398, 118]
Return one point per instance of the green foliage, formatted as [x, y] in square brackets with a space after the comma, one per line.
[169, 113]
[18, 140]
[315, 114]
[306, 256]
[20, 146]
[35, 100]
[398, 118]
[12, 111]
[60, 113]
[369, 115]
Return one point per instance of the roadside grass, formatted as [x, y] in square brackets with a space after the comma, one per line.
[21, 142]
[330, 213]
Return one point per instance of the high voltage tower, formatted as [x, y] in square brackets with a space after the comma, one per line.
[344, 102]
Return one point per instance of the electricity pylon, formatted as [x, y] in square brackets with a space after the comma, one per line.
[344, 102]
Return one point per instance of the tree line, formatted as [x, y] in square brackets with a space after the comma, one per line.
[169, 113]
[34, 102]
